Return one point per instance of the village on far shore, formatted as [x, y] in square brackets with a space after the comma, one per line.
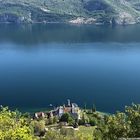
[69, 116]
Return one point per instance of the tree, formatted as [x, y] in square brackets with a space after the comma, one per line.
[85, 107]
[133, 118]
[65, 117]
[121, 124]
[93, 108]
[50, 120]
[55, 119]
[13, 126]
[84, 119]
[39, 127]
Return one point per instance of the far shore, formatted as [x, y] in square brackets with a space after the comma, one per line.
[69, 23]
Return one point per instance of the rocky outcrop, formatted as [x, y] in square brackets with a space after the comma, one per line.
[13, 18]
[81, 20]
[8, 17]
[125, 18]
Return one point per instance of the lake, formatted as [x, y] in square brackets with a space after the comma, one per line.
[44, 64]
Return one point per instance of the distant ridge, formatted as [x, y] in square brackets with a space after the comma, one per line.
[121, 12]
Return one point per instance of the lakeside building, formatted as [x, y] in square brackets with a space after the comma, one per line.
[71, 108]
[39, 115]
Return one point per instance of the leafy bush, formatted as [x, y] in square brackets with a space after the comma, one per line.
[67, 118]
[120, 125]
[13, 127]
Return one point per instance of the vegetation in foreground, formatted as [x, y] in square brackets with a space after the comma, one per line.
[92, 126]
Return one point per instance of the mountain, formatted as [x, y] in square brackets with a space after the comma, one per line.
[73, 11]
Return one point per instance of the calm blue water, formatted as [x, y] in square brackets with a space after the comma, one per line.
[47, 64]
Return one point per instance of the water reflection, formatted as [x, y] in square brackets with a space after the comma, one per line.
[63, 33]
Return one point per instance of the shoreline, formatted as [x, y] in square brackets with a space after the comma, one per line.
[68, 23]
[31, 111]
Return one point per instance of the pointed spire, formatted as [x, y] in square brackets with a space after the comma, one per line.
[69, 104]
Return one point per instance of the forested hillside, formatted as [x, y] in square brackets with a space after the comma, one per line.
[74, 11]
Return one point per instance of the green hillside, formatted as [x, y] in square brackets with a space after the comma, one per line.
[74, 11]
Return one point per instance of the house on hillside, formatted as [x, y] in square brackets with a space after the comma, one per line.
[39, 115]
